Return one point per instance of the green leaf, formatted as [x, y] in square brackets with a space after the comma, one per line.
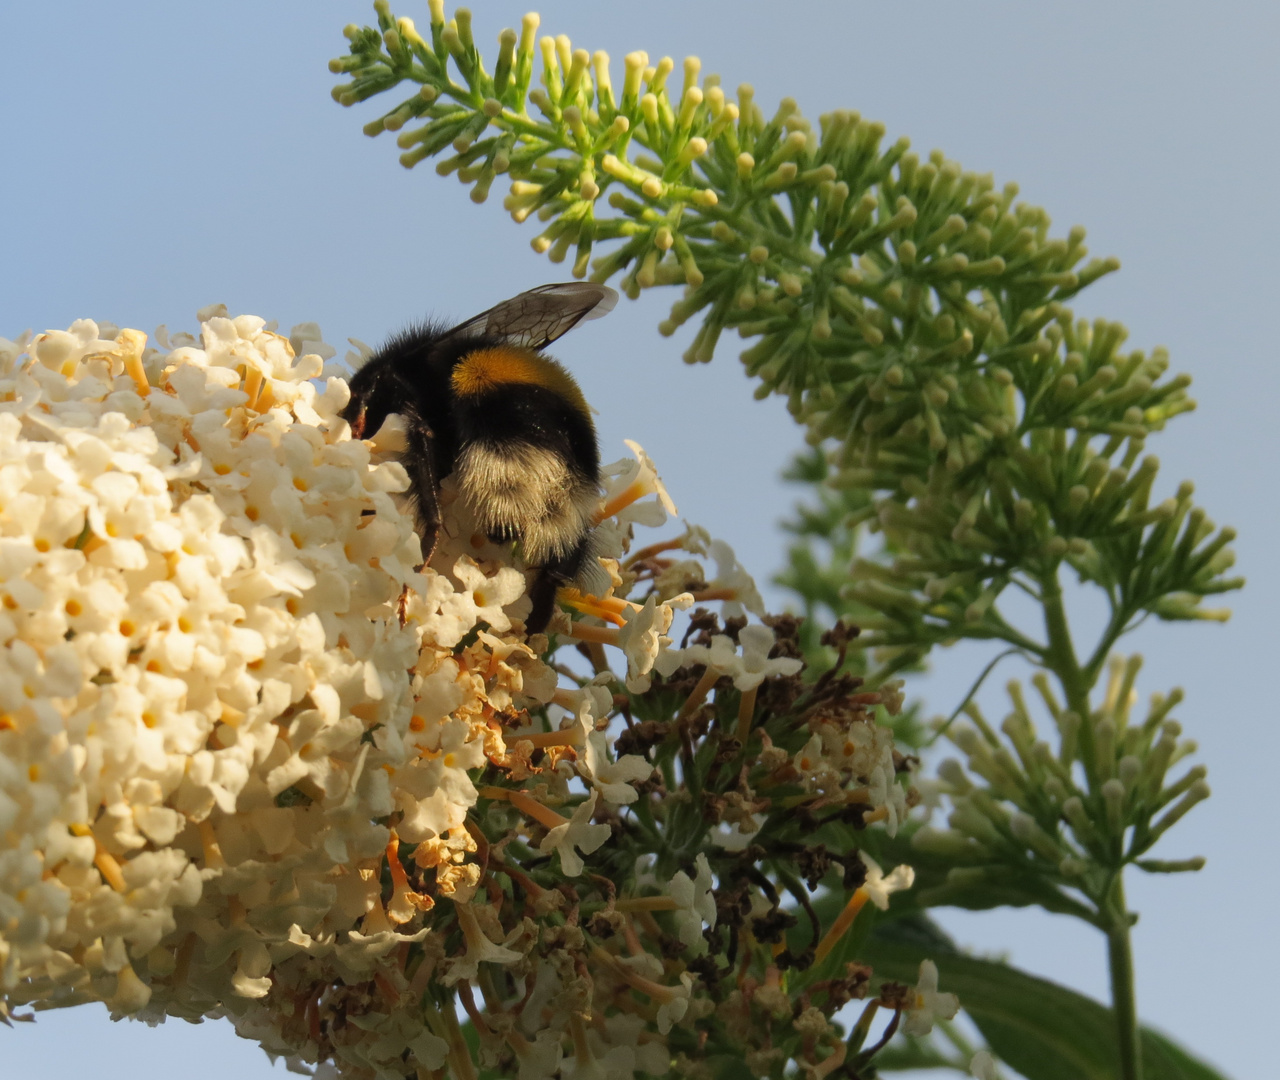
[1162, 1057]
[1043, 1030]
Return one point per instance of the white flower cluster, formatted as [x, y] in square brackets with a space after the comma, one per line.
[840, 753]
[848, 756]
[241, 728]
[227, 697]
[204, 683]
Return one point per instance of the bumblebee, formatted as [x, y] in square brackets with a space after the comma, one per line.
[481, 403]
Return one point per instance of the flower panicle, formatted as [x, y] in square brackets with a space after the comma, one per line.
[203, 564]
[1102, 799]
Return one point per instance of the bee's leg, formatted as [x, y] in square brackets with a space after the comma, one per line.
[424, 485]
[429, 527]
[555, 573]
[543, 595]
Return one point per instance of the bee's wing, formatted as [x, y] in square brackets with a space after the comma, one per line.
[536, 318]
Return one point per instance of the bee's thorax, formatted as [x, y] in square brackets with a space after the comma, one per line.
[492, 369]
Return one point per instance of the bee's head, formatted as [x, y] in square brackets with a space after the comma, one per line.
[376, 392]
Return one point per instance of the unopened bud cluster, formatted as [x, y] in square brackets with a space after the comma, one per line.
[1052, 479]
[1055, 821]
[876, 248]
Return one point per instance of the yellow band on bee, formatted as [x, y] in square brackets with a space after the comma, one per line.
[487, 370]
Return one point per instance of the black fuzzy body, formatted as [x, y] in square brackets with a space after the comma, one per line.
[412, 375]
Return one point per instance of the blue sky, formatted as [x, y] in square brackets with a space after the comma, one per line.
[159, 157]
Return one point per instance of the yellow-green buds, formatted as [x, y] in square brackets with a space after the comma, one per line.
[913, 314]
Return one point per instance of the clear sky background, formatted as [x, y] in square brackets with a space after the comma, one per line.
[161, 156]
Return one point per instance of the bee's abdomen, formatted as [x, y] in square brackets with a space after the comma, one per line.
[528, 492]
[534, 416]
[527, 464]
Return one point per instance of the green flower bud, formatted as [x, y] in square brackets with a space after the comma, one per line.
[1197, 793]
[964, 877]
[950, 844]
[480, 191]
[658, 80]
[715, 101]
[1183, 784]
[551, 79]
[691, 151]
[411, 158]
[1174, 866]
[1025, 828]
[723, 126]
[690, 101]
[968, 821]
[1113, 797]
[1073, 810]
[564, 52]
[635, 64]
[452, 41]
[1160, 707]
[574, 83]
[952, 772]
[992, 267]
[506, 62]
[1104, 747]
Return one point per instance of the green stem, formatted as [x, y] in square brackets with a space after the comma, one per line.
[1117, 626]
[1076, 683]
[1123, 996]
[1060, 658]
